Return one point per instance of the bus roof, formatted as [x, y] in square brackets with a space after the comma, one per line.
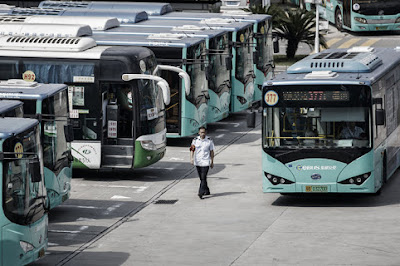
[158, 40]
[22, 90]
[10, 126]
[210, 23]
[199, 16]
[359, 65]
[150, 8]
[7, 105]
[46, 44]
[95, 23]
[44, 30]
[82, 48]
[188, 30]
[123, 16]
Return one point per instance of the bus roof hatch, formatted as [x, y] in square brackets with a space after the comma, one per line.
[46, 44]
[19, 83]
[44, 30]
[96, 23]
[188, 28]
[338, 61]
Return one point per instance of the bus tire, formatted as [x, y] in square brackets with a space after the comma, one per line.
[338, 19]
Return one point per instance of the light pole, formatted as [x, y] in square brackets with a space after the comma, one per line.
[316, 2]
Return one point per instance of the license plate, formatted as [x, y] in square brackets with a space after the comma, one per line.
[316, 188]
[381, 28]
[41, 253]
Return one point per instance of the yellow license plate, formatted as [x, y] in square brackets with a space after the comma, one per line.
[316, 188]
[41, 253]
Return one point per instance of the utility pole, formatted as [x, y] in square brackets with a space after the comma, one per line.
[316, 43]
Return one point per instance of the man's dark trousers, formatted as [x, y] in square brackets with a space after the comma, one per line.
[202, 171]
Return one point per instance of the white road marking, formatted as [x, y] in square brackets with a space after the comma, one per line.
[112, 208]
[175, 159]
[85, 219]
[119, 197]
[52, 244]
[64, 231]
[220, 136]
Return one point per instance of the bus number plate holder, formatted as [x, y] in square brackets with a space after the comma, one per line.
[316, 188]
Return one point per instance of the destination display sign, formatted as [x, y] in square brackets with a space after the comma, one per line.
[322, 96]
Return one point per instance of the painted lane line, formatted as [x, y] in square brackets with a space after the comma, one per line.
[349, 43]
[119, 197]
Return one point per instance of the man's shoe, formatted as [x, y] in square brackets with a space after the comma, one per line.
[200, 196]
[207, 193]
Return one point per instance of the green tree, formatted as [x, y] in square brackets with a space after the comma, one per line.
[296, 26]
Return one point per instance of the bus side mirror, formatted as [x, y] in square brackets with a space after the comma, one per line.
[228, 62]
[34, 168]
[275, 41]
[380, 117]
[69, 133]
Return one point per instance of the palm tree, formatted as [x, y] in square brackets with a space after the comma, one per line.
[297, 25]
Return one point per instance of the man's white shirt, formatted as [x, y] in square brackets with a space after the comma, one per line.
[202, 151]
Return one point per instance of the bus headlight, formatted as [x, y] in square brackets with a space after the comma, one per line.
[356, 180]
[275, 180]
[26, 246]
[361, 20]
[397, 20]
[148, 145]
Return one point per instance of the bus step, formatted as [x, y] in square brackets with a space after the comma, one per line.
[116, 161]
[125, 141]
[118, 150]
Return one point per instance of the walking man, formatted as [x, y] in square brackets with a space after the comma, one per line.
[202, 156]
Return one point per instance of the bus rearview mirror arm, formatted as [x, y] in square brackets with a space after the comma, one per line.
[181, 73]
[162, 83]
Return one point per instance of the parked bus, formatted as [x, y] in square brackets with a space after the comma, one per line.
[11, 108]
[150, 8]
[262, 28]
[23, 217]
[219, 60]
[240, 35]
[360, 15]
[48, 103]
[189, 105]
[330, 123]
[118, 120]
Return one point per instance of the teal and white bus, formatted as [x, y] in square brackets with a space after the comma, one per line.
[360, 15]
[11, 108]
[49, 104]
[23, 216]
[116, 107]
[188, 108]
[331, 124]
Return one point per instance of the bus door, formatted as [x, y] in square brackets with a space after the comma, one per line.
[347, 13]
[118, 125]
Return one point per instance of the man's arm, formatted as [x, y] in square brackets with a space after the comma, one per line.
[212, 158]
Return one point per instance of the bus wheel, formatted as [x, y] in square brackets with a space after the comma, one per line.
[338, 19]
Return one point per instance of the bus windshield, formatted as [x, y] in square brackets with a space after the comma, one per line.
[244, 59]
[219, 74]
[196, 70]
[376, 7]
[23, 200]
[317, 127]
[264, 48]
[55, 119]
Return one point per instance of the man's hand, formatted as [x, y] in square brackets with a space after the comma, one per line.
[191, 161]
[212, 165]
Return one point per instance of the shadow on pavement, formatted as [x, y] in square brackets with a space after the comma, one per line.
[222, 194]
